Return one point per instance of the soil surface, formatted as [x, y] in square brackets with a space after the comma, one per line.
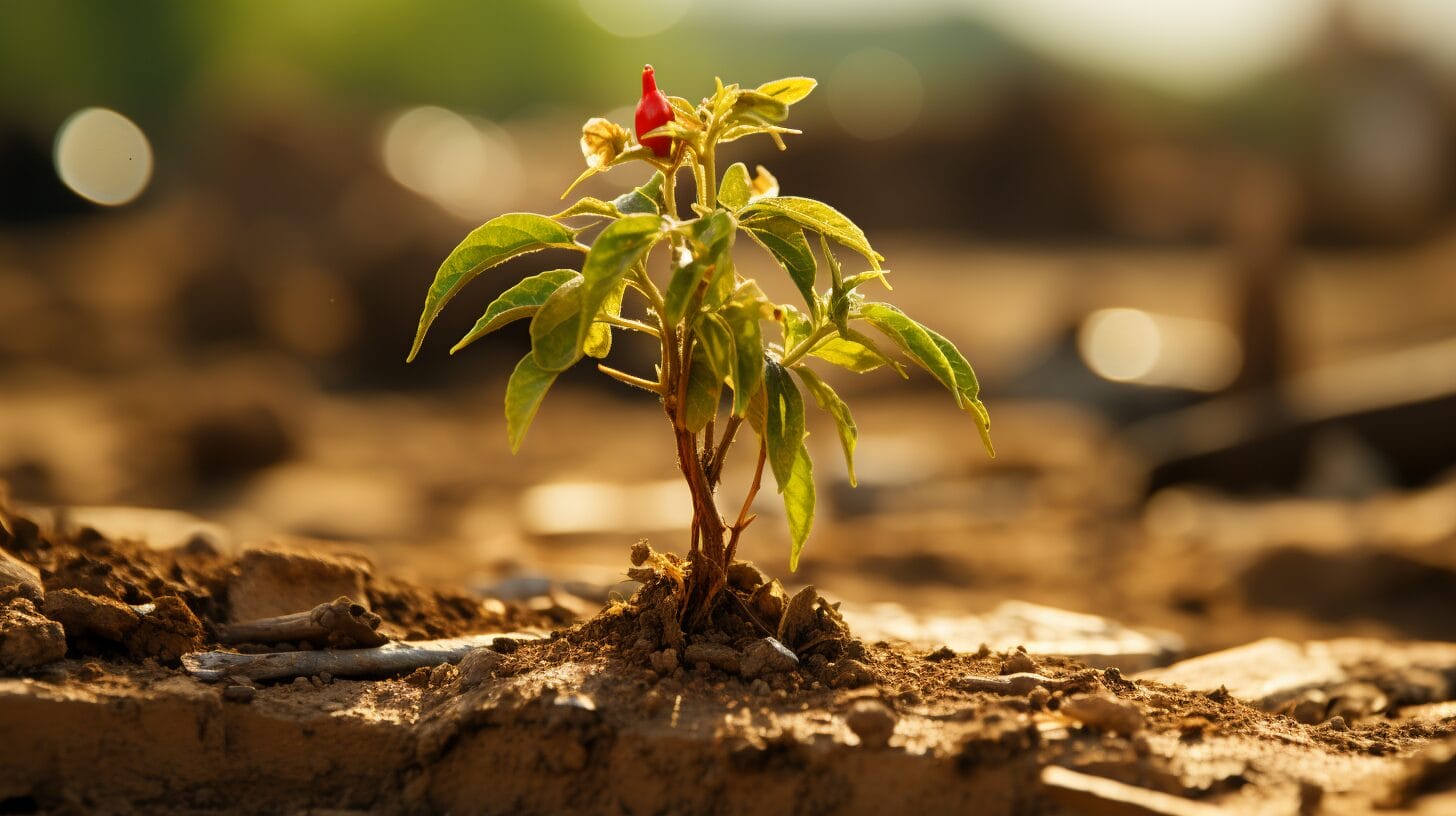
[777, 708]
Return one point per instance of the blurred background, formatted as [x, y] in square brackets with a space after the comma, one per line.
[1202, 254]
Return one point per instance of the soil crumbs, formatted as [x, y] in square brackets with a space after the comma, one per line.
[775, 708]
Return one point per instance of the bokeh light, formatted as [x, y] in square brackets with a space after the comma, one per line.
[467, 166]
[103, 156]
[1131, 345]
[635, 18]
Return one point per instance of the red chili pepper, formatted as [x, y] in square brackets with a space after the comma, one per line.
[653, 112]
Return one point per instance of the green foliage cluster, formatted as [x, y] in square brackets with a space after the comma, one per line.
[709, 320]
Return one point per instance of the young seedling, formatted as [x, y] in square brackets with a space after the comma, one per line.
[708, 319]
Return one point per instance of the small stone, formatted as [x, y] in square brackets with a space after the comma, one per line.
[85, 614]
[28, 639]
[505, 645]
[759, 687]
[716, 655]
[239, 694]
[1104, 713]
[90, 670]
[326, 678]
[1337, 723]
[871, 721]
[17, 573]
[849, 673]
[300, 681]
[663, 662]
[767, 656]
[943, 653]
[1018, 662]
[1038, 698]
[479, 665]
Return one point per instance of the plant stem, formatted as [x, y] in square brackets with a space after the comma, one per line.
[715, 467]
[806, 345]
[708, 194]
[628, 323]
[622, 376]
[744, 519]
[669, 188]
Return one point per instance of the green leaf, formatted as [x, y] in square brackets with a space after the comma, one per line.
[488, 245]
[855, 352]
[914, 340]
[710, 238]
[553, 328]
[798, 493]
[519, 301]
[742, 318]
[620, 245]
[830, 403]
[599, 337]
[716, 340]
[785, 420]
[758, 108]
[977, 410]
[965, 378]
[797, 327]
[789, 89]
[705, 388]
[785, 241]
[817, 216]
[646, 199]
[525, 390]
[736, 187]
[590, 206]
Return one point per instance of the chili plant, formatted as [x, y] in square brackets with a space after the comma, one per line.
[708, 320]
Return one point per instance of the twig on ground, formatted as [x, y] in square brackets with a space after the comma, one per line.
[338, 624]
[381, 661]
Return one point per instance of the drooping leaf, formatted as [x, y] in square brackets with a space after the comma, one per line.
[789, 89]
[798, 493]
[709, 239]
[978, 412]
[622, 243]
[855, 352]
[830, 403]
[599, 337]
[705, 387]
[553, 328]
[488, 245]
[965, 378]
[742, 318]
[716, 340]
[525, 390]
[785, 241]
[736, 188]
[817, 216]
[646, 199]
[519, 301]
[914, 340]
[784, 426]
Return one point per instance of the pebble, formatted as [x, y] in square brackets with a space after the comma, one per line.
[850, 673]
[872, 722]
[1104, 713]
[1018, 662]
[479, 665]
[716, 655]
[767, 656]
[239, 694]
[663, 662]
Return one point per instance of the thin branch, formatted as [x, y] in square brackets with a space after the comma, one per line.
[628, 323]
[715, 467]
[744, 517]
[637, 382]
